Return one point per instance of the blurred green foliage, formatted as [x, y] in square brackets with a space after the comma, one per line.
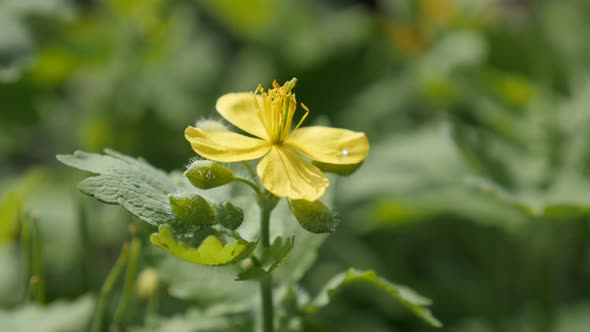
[475, 192]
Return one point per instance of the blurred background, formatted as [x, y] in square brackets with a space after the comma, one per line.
[476, 191]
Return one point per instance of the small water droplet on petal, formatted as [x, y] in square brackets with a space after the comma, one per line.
[345, 152]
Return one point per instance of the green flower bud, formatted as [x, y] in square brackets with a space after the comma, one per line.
[229, 216]
[205, 174]
[335, 168]
[193, 209]
[313, 216]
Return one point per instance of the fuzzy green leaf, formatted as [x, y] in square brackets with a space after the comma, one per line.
[132, 183]
[369, 279]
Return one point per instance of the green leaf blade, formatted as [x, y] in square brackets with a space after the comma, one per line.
[132, 183]
[210, 252]
[399, 293]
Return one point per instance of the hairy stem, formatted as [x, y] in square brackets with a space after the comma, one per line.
[267, 304]
[107, 287]
[251, 184]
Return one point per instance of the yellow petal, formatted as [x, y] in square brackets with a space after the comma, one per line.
[285, 174]
[225, 146]
[330, 145]
[240, 110]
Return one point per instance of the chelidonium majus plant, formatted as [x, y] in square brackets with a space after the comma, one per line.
[196, 220]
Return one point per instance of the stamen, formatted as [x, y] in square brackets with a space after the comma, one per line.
[290, 85]
[289, 116]
[302, 118]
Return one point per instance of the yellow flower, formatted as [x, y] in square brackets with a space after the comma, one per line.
[269, 117]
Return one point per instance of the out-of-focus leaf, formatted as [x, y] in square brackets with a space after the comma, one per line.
[13, 202]
[58, 316]
[203, 284]
[403, 164]
[243, 17]
[220, 318]
[371, 281]
[17, 48]
[10, 210]
[131, 183]
[313, 40]
[542, 171]
[211, 250]
[11, 285]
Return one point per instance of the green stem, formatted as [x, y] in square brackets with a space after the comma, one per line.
[267, 305]
[38, 277]
[25, 245]
[249, 183]
[266, 283]
[129, 287]
[250, 169]
[107, 287]
[265, 226]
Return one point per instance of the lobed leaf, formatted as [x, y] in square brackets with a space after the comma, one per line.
[279, 250]
[132, 183]
[210, 252]
[399, 293]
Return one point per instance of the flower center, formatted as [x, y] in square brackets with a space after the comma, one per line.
[276, 109]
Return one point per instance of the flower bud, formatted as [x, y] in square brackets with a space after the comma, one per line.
[313, 216]
[229, 215]
[205, 174]
[147, 283]
[193, 209]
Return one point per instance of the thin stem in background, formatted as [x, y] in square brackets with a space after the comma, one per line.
[129, 287]
[107, 287]
[38, 278]
[25, 248]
